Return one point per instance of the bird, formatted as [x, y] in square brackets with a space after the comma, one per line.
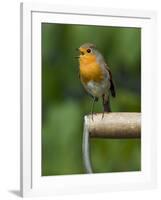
[95, 75]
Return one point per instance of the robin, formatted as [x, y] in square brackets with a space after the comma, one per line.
[95, 75]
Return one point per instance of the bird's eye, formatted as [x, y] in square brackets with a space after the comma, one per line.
[88, 50]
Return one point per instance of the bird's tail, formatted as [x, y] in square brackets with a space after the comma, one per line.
[106, 105]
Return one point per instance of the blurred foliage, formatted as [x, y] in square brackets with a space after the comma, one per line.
[64, 101]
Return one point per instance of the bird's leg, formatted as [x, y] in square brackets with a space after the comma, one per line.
[103, 104]
[94, 99]
[106, 105]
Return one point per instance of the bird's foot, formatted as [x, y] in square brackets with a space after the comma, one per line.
[103, 115]
[92, 115]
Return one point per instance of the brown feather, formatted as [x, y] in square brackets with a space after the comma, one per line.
[112, 87]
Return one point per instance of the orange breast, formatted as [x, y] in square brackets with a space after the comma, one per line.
[89, 69]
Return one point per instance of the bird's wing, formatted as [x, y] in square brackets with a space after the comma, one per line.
[112, 87]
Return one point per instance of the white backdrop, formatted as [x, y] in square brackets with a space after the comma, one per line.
[9, 99]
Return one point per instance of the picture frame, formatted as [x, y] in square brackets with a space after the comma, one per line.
[32, 183]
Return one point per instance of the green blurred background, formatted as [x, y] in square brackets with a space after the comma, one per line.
[64, 101]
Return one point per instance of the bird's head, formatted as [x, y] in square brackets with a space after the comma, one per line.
[87, 52]
[86, 49]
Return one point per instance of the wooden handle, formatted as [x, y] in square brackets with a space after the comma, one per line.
[115, 125]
